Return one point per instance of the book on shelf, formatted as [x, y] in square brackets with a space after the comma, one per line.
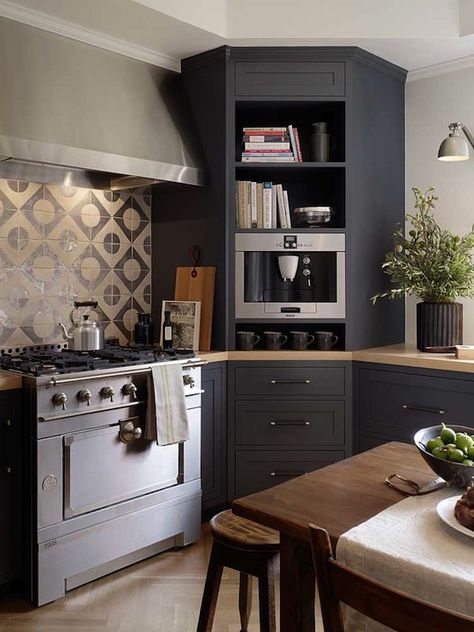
[261, 205]
[270, 144]
[299, 156]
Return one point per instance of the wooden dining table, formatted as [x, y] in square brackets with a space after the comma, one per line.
[337, 497]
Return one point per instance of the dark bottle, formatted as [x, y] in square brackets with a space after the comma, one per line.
[144, 330]
[167, 332]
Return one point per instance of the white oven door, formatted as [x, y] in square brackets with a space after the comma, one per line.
[101, 470]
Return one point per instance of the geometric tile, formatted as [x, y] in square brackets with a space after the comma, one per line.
[59, 244]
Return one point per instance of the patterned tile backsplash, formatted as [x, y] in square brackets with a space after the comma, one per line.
[61, 244]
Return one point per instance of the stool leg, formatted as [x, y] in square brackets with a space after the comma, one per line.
[211, 591]
[266, 598]
[245, 600]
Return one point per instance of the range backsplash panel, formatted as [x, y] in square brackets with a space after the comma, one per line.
[61, 244]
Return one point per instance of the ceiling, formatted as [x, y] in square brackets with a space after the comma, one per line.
[415, 34]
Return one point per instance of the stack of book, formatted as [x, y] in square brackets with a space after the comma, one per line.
[261, 205]
[271, 144]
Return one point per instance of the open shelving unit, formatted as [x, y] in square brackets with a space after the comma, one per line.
[361, 97]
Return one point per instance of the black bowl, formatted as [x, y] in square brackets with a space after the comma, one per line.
[455, 474]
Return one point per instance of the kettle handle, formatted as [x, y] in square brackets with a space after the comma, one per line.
[93, 304]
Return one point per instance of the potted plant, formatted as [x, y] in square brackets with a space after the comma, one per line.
[435, 265]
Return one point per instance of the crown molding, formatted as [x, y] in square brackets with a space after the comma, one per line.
[58, 26]
[440, 69]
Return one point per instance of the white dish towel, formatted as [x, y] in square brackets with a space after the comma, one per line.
[409, 548]
[166, 415]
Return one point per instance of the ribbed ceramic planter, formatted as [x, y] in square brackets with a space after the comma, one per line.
[438, 325]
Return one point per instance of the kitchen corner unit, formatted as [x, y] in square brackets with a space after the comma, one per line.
[361, 98]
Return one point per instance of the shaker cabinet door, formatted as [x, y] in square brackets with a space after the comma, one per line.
[289, 78]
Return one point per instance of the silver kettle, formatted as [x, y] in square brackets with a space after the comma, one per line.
[85, 334]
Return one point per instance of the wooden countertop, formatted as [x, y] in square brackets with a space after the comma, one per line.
[9, 382]
[397, 355]
[223, 356]
[408, 355]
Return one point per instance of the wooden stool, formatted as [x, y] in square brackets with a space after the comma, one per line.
[251, 549]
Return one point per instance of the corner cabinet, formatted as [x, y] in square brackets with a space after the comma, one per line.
[11, 496]
[361, 98]
[285, 419]
[393, 402]
[213, 436]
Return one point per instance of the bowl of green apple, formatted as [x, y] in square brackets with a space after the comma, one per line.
[449, 451]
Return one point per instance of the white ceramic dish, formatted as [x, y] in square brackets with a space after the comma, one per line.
[445, 510]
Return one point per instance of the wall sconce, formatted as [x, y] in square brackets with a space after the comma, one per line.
[455, 147]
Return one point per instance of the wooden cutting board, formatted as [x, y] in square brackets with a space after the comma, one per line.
[198, 288]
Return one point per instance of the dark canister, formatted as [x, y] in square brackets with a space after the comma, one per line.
[247, 340]
[321, 142]
[325, 340]
[274, 340]
[300, 340]
[144, 330]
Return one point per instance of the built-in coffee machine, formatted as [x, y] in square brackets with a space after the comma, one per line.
[298, 275]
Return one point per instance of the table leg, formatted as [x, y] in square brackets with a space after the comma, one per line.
[297, 586]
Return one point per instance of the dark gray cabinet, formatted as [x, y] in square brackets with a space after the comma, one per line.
[10, 486]
[213, 436]
[289, 78]
[392, 403]
[285, 419]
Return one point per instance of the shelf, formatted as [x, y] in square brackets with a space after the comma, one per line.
[290, 165]
[295, 229]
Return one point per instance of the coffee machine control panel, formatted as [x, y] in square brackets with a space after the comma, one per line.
[289, 241]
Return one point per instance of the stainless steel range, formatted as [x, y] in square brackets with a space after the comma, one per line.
[102, 496]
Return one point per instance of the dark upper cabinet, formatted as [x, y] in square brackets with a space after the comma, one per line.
[213, 436]
[289, 78]
[10, 486]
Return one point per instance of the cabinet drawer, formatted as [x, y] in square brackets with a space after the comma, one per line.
[397, 404]
[257, 470]
[280, 380]
[289, 78]
[287, 423]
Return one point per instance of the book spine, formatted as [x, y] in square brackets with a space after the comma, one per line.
[292, 141]
[237, 204]
[264, 130]
[243, 202]
[259, 205]
[253, 205]
[281, 206]
[267, 205]
[299, 155]
[267, 146]
[287, 209]
[267, 154]
[266, 138]
[268, 159]
[274, 207]
[248, 207]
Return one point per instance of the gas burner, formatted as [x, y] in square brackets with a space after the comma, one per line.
[39, 362]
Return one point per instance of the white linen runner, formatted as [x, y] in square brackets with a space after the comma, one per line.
[409, 548]
[166, 415]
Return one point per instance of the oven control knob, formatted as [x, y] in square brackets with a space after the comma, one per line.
[188, 380]
[130, 389]
[129, 432]
[60, 399]
[107, 393]
[84, 395]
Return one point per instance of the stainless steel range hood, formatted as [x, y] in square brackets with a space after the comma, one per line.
[74, 114]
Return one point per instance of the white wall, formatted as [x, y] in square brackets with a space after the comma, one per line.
[431, 104]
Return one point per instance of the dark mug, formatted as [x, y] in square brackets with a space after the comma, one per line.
[247, 340]
[274, 340]
[325, 340]
[300, 340]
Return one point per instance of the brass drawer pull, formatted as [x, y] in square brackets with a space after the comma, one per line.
[290, 423]
[287, 473]
[290, 381]
[423, 409]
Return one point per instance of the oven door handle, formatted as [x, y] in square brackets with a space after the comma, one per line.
[54, 381]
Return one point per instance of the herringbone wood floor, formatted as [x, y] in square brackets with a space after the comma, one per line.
[161, 594]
